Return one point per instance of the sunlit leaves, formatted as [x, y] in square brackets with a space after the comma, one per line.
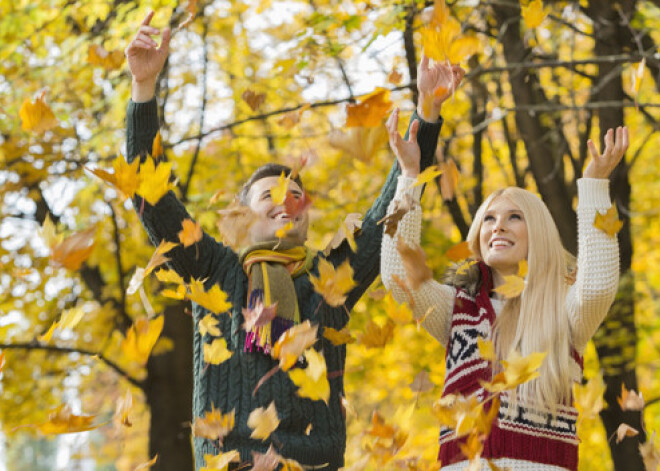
[312, 381]
[62, 420]
[589, 398]
[514, 285]
[609, 222]
[332, 284]
[216, 352]
[442, 39]
[155, 180]
[363, 143]
[533, 14]
[370, 111]
[141, 338]
[214, 425]
[109, 60]
[215, 300]
[36, 115]
[126, 177]
[291, 345]
[190, 233]
[234, 225]
[263, 421]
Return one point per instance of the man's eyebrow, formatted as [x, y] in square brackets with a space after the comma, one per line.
[296, 192]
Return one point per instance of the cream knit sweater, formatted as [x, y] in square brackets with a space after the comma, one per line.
[587, 301]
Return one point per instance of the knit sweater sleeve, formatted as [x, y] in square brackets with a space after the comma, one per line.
[365, 260]
[430, 294]
[205, 259]
[593, 292]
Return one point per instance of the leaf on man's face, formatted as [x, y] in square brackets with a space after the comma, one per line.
[235, 223]
[279, 190]
[36, 115]
[370, 111]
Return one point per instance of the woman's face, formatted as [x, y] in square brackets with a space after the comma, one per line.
[503, 237]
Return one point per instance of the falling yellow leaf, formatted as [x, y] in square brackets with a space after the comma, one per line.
[158, 257]
[312, 381]
[62, 420]
[486, 349]
[126, 177]
[263, 421]
[351, 224]
[109, 60]
[533, 14]
[360, 142]
[215, 300]
[48, 232]
[157, 150]
[290, 465]
[514, 285]
[209, 325]
[464, 267]
[75, 249]
[375, 336]
[387, 439]
[414, 264]
[68, 320]
[122, 409]
[442, 40]
[141, 338]
[332, 284]
[179, 293]
[235, 223]
[465, 414]
[190, 233]
[609, 222]
[36, 115]
[472, 448]
[216, 352]
[253, 99]
[214, 425]
[338, 337]
[221, 462]
[169, 276]
[399, 313]
[427, 176]
[291, 345]
[519, 369]
[278, 191]
[589, 398]
[630, 400]
[155, 180]
[371, 109]
[624, 431]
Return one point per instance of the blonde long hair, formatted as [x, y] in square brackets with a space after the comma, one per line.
[537, 320]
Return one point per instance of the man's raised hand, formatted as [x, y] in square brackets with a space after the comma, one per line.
[146, 59]
[407, 151]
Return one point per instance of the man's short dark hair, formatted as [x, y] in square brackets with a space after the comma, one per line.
[268, 170]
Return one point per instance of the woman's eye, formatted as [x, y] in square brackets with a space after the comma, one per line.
[489, 218]
[516, 216]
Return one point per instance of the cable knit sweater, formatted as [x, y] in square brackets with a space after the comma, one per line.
[229, 386]
[588, 299]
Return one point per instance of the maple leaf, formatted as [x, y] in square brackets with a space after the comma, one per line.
[442, 40]
[650, 454]
[332, 284]
[351, 224]
[221, 462]
[279, 190]
[234, 225]
[519, 369]
[533, 14]
[169, 276]
[259, 315]
[312, 381]
[630, 400]
[68, 320]
[209, 325]
[265, 461]
[253, 99]
[109, 60]
[62, 420]
[389, 439]
[122, 409]
[158, 258]
[190, 233]
[214, 425]
[179, 293]
[126, 177]
[399, 313]
[394, 77]
[448, 179]
[459, 252]
[216, 352]
[291, 345]
[400, 209]
[464, 414]
[609, 222]
[589, 398]
[375, 336]
[625, 430]
[215, 300]
[36, 115]
[370, 111]
[263, 421]
[486, 349]
[338, 337]
[154, 180]
[295, 205]
[422, 383]
[427, 176]
[413, 259]
[514, 285]
[290, 119]
[75, 249]
[360, 142]
[141, 338]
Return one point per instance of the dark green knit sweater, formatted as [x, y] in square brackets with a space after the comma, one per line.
[229, 386]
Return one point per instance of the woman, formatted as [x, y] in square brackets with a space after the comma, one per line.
[557, 312]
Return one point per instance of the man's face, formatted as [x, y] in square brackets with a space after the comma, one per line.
[271, 217]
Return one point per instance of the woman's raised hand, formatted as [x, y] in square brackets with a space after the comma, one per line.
[435, 84]
[601, 166]
[146, 59]
[407, 151]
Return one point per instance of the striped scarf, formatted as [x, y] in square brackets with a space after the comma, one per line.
[271, 267]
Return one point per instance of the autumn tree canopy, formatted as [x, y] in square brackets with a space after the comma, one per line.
[96, 337]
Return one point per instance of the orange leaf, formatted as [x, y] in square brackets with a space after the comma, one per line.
[190, 233]
[630, 400]
[624, 431]
[74, 250]
[62, 420]
[361, 142]
[448, 180]
[370, 111]
[157, 147]
[2, 361]
[459, 252]
[609, 222]
[36, 115]
[296, 204]
[290, 119]
[375, 336]
[414, 263]
[338, 337]
[394, 77]
[141, 338]
[253, 99]
[291, 345]
[109, 60]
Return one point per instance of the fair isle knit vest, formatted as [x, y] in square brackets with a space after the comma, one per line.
[527, 431]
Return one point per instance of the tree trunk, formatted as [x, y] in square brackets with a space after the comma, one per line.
[168, 393]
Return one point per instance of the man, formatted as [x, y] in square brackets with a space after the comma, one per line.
[229, 386]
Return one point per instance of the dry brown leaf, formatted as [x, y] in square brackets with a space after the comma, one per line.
[253, 99]
[630, 400]
[259, 315]
[422, 382]
[352, 223]
[400, 209]
[375, 336]
[234, 225]
[414, 263]
[75, 249]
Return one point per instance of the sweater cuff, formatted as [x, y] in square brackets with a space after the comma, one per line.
[427, 138]
[142, 115]
[405, 186]
[594, 193]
